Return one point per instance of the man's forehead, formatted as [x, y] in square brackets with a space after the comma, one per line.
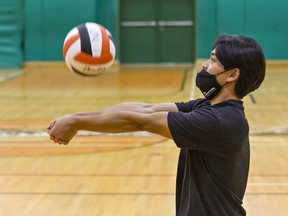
[213, 52]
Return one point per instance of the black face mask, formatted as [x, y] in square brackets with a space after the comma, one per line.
[208, 84]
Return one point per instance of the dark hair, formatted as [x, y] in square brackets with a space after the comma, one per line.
[244, 53]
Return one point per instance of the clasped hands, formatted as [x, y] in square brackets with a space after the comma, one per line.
[61, 130]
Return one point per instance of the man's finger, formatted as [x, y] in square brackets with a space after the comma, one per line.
[50, 126]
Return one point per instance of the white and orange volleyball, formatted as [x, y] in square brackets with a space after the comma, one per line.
[88, 49]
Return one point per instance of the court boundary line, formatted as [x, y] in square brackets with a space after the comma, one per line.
[116, 194]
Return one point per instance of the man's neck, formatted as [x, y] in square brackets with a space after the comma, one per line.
[224, 95]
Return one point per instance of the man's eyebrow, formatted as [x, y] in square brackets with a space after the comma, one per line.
[213, 54]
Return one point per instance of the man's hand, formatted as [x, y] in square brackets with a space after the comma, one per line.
[61, 130]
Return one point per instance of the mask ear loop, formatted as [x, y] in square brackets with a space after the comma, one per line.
[229, 68]
[224, 84]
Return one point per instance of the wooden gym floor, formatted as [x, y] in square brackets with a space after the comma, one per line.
[125, 174]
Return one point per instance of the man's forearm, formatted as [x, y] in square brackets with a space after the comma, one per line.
[126, 117]
[107, 122]
[140, 107]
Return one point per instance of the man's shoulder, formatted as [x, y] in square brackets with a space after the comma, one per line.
[192, 104]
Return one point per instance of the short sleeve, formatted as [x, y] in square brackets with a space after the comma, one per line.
[199, 129]
[191, 105]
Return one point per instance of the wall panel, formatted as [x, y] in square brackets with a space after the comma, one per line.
[264, 20]
[11, 33]
[48, 22]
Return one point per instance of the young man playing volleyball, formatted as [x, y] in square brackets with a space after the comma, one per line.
[212, 133]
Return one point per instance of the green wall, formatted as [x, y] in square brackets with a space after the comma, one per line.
[49, 21]
[11, 33]
[107, 15]
[264, 20]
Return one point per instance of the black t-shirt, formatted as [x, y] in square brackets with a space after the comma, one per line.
[214, 157]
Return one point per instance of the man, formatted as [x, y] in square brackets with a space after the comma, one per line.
[212, 133]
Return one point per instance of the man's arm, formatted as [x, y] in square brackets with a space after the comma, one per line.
[126, 117]
[142, 107]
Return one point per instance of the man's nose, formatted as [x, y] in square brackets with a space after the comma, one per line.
[205, 65]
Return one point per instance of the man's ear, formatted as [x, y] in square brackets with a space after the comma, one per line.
[234, 75]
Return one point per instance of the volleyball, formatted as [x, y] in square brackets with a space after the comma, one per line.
[88, 49]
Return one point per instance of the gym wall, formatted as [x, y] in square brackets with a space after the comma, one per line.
[11, 33]
[264, 20]
[39, 34]
[48, 21]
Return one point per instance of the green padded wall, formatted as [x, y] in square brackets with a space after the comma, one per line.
[11, 33]
[49, 21]
[264, 20]
[107, 15]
